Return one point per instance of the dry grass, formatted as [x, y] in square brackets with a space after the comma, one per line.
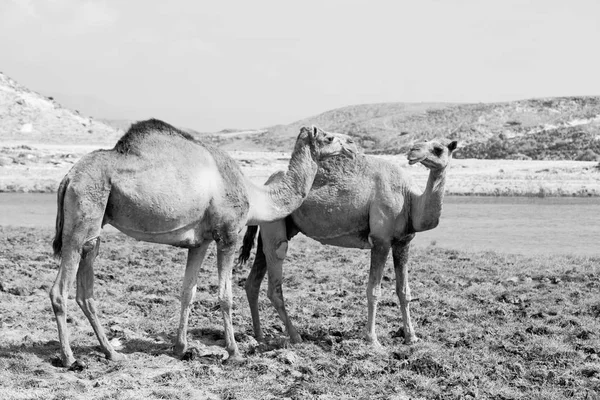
[491, 326]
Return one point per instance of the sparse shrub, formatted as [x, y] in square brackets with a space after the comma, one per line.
[587, 155]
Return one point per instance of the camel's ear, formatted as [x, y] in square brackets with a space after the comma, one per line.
[307, 130]
[453, 145]
[315, 131]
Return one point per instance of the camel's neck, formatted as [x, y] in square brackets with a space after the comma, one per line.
[426, 207]
[284, 194]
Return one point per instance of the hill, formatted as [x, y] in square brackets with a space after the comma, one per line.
[550, 128]
[565, 128]
[29, 117]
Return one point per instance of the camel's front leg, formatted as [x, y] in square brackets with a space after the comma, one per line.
[85, 296]
[275, 246]
[188, 292]
[255, 278]
[225, 253]
[379, 254]
[400, 254]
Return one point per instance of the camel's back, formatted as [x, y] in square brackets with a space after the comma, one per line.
[162, 179]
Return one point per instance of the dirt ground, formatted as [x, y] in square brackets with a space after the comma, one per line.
[39, 168]
[491, 326]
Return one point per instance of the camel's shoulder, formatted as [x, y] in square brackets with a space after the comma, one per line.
[142, 131]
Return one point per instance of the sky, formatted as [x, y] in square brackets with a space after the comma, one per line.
[212, 65]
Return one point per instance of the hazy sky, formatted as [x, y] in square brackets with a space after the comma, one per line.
[210, 65]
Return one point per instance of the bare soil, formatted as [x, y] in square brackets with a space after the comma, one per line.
[491, 326]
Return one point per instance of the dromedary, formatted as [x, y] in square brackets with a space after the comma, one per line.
[364, 203]
[160, 185]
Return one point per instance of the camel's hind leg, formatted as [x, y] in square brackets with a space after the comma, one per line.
[59, 295]
[226, 248]
[83, 211]
[275, 244]
[85, 296]
[188, 292]
[255, 278]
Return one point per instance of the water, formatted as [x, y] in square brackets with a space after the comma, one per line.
[522, 225]
[505, 224]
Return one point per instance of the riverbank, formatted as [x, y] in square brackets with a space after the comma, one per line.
[28, 168]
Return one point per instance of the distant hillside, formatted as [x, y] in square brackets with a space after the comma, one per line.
[27, 116]
[552, 128]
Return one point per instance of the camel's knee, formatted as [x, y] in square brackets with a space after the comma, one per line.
[225, 302]
[374, 294]
[281, 250]
[90, 247]
[276, 251]
[404, 295]
[86, 304]
[275, 295]
[403, 289]
[57, 300]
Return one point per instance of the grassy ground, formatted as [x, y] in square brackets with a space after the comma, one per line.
[491, 326]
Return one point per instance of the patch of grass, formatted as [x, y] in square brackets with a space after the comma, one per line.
[490, 326]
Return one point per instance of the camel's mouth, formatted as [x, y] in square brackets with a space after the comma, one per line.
[415, 155]
[412, 160]
[349, 150]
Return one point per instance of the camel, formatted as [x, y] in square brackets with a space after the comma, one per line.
[158, 184]
[364, 203]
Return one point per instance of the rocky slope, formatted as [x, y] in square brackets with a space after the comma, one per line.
[29, 117]
[552, 128]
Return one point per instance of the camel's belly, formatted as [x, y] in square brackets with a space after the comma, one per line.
[343, 225]
[187, 236]
[163, 205]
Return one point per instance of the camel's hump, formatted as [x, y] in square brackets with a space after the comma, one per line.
[140, 130]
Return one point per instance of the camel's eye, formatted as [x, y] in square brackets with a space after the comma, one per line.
[438, 151]
[329, 139]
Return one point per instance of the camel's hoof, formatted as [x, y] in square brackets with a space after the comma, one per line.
[296, 339]
[190, 355]
[64, 362]
[235, 359]
[116, 356]
[410, 340]
[180, 350]
[373, 341]
[78, 366]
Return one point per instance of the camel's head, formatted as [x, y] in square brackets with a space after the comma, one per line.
[327, 144]
[435, 154]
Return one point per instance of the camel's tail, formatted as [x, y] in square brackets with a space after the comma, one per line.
[57, 242]
[247, 244]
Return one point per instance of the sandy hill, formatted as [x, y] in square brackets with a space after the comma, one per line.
[29, 117]
[566, 128]
[551, 128]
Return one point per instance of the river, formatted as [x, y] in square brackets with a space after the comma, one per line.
[521, 225]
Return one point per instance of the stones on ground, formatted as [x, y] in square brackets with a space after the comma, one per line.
[78, 366]
[207, 353]
[287, 357]
[511, 298]
[4, 161]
